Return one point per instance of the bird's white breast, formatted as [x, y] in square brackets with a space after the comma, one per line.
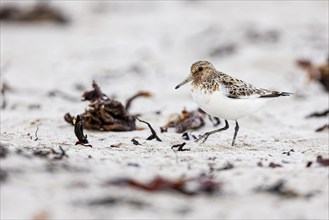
[218, 105]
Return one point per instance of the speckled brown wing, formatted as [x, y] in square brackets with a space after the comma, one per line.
[238, 89]
[235, 88]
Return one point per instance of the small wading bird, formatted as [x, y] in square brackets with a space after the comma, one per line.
[225, 97]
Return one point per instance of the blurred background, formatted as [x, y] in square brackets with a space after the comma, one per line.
[51, 51]
[144, 43]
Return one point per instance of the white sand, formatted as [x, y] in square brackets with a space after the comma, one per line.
[105, 42]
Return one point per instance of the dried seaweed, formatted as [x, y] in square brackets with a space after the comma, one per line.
[78, 130]
[202, 185]
[212, 168]
[104, 114]
[110, 201]
[69, 118]
[288, 152]
[139, 94]
[279, 189]
[322, 128]
[135, 142]
[41, 12]
[309, 164]
[187, 120]
[185, 136]
[95, 94]
[318, 114]
[153, 135]
[274, 165]
[116, 145]
[227, 166]
[319, 73]
[50, 153]
[322, 161]
[180, 147]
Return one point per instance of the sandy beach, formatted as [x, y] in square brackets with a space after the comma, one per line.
[273, 171]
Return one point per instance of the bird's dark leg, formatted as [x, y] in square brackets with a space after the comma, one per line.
[236, 131]
[207, 134]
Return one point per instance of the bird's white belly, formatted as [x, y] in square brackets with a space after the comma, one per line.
[218, 105]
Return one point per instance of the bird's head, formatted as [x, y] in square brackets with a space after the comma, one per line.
[198, 70]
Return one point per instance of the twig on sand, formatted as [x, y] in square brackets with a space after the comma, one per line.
[153, 135]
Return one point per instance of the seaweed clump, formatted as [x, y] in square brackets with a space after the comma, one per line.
[104, 114]
[186, 120]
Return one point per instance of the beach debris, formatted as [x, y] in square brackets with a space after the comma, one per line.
[262, 36]
[116, 145]
[322, 128]
[104, 114]
[95, 94]
[3, 151]
[319, 73]
[135, 142]
[201, 184]
[288, 152]
[154, 134]
[36, 134]
[180, 147]
[131, 164]
[227, 166]
[309, 164]
[259, 164]
[139, 94]
[318, 114]
[78, 130]
[185, 136]
[69, 118]
[322, 161]
[274, 165]
[186, 120]
[279, 188]
[110, 201]
[4, 89]
[223, 50]
[50, 153]
[41, 12]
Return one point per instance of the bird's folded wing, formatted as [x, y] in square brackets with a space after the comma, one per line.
[242, 90]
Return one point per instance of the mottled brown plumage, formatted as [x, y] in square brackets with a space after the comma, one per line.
[207, 78]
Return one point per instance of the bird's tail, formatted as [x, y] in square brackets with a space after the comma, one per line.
[276, 94]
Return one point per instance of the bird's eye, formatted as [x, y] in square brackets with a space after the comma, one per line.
[200, 68]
